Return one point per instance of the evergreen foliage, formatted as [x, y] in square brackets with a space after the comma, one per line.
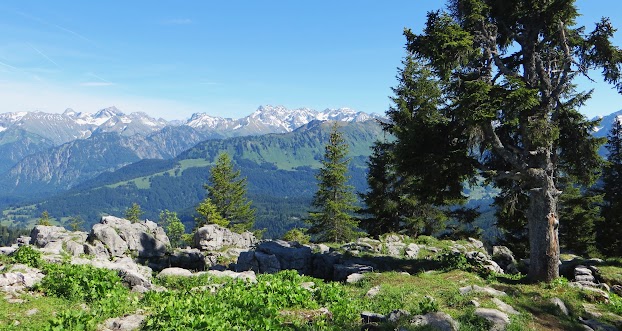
[9, 234]
[297, 234]
[609, 239]
[382, 199]
[133, 213]
[498, 101]
[44, 219]
[399, 177]
[208, 214]
[580, 210]
[173, 226]
[75, 223]
[334, 200]
[227, 192]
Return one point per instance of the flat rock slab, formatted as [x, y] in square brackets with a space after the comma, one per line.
[437, 321]
[478, 289]
[498, 319]
[125, 323]
[174, 271]
[504, 307]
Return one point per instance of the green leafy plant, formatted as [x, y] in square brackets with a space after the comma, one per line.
[428, 305]
[87, 283]
[297, 234]
[27, 255]
[453, 261]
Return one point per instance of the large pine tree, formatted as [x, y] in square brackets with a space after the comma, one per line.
[334, 200]
[227, 191]
[609, 239]
[507, 108]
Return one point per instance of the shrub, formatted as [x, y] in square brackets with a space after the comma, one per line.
[297, 234]
[87, 283]
[27, 255]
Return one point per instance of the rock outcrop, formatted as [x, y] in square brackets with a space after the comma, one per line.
[213, 237]
[56, 239]
[121, 237]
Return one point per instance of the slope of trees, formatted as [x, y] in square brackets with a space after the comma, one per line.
[490, 93]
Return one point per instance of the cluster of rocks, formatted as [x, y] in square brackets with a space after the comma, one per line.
[134, 250]
[498, 318]
[361, 256]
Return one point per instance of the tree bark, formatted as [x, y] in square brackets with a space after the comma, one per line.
[543, 232]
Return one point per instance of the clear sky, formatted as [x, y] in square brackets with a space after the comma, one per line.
[173, 58]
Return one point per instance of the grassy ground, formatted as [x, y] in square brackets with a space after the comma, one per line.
[279, 302]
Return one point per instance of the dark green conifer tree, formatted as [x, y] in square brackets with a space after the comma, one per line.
[502, 104]
[227, 191]
[580, 210]
[608, 234]
[334, 200]
[133, 213]
[382, 208]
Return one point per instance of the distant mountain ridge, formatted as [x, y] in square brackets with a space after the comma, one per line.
[72, 125]
[53, 152]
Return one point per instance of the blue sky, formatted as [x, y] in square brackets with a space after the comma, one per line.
[225, 58]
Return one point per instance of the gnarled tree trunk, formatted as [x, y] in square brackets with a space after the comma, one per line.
[543, 234]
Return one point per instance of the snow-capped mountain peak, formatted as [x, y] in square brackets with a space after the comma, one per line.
[275, 119]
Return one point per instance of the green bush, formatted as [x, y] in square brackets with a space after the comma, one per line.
[72, 320]
[27, 255]
[298, 235]
[454, 261]
[239, 305]
[86, 282]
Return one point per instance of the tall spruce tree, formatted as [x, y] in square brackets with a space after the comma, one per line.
[503, 106]
[580, 209]
[227, 191]
[334, 200]
[609, 239]
[382, 199]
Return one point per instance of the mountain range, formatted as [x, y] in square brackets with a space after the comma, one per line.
[43, 153]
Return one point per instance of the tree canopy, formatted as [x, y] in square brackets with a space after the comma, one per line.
[502, 105]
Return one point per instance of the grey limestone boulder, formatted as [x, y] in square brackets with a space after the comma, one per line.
[498, 319]
[291, 255]
[481, 258]
[213, 237]
[275, 255]
[188, 258]
[343, 270]
[504, 257]
[560, 305]
[174, 272]
[121, 237]
[436, 321]
[124, 323]
[20, 276]
[56, 239]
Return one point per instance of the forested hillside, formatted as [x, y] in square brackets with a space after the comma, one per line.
[280, 169]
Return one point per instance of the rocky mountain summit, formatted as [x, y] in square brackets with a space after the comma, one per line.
[140, 254]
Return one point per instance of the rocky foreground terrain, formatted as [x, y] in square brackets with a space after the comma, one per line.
[396, 283]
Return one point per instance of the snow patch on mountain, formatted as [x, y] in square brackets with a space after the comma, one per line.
[275, 119]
